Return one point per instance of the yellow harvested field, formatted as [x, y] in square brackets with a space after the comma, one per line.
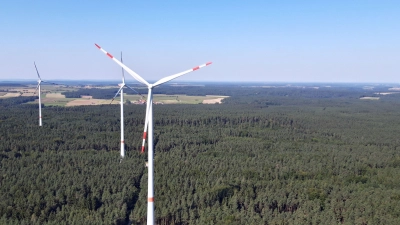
[8, 95]
[370, 98]
[78, 102]
[55, 98]
[212, 99]
[386, 93]
[170, 101]
[28, 94]
[55, 95]
[49, 100]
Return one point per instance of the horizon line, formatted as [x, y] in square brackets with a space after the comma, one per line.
[208, 81]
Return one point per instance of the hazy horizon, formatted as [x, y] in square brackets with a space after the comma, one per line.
[194, 82]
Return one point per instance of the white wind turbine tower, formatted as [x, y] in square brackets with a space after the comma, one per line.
[121, 92]
[39, 92]
[149, 123]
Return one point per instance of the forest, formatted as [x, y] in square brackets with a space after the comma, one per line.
[268, 156]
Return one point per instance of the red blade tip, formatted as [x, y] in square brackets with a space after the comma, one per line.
[208, 63]
[109, 55]
[98, 46]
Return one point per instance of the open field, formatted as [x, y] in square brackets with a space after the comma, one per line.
[27, 94]
[180, 99]
[56, 101]
[386, 93]
[52, 101]
[214, 99]
[51, 95]
[55, 95]
[369, 98]
[77, 102]
[158, 99]
[30, 90]
[8, 94]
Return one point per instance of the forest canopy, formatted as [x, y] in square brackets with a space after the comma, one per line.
[287, 155]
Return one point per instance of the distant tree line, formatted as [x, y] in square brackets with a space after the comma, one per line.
[245, 93]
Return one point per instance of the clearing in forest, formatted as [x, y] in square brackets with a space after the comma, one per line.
[369, 98]
[8, 95]
[54, 101]
[78, 102]
[214, 99]
[51, 95]
[55, 95]
[179, 99]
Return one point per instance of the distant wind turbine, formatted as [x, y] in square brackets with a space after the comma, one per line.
[39, 92]
[121, 92]
[149, 122]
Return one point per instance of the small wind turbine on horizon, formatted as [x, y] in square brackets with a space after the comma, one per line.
[149, 124]
[39, 92]
[121, 92]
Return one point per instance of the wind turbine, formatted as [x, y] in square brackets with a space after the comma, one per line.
[39, 92]
[121, 92]
[149, 123]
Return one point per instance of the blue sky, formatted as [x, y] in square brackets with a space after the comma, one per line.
[269, 41]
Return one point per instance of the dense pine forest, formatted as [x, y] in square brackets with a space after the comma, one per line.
[264, 156]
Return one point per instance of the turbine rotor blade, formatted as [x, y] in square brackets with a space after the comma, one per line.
[36, 89]
[134, 90]
[146, 122]
[123, 76]
[144, 134]
[119, 90]
[166, 79]
[131, 72]
[37, 70]
[123, 80]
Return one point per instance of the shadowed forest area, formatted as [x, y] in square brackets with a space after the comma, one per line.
[265, 156]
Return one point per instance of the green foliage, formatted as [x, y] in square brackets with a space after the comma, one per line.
[265, 156]
[8, 102]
